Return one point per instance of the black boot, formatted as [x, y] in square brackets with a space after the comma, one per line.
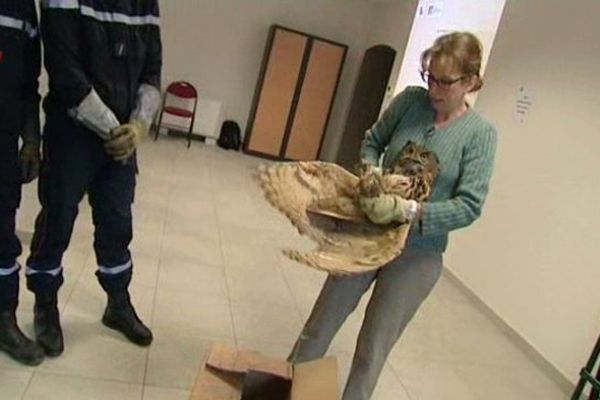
[46, 322]
[121, 316]
[14, 343]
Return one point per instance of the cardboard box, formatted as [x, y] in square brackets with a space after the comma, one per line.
[230, 374]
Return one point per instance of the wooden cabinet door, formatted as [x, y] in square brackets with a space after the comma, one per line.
[294, 96]
[315, 101]
[276, 93]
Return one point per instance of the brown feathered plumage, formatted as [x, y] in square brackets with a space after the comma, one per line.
[321, 200]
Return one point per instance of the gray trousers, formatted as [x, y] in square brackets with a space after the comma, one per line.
[400, 288]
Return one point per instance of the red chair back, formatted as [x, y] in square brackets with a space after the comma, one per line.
[180, 99]
[182, 89]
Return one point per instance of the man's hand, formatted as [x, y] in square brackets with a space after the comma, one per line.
[387, 208]
[124, 140]
[29, 160]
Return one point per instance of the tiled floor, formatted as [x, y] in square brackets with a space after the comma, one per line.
[208, 268]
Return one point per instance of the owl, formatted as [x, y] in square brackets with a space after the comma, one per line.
[321, 200]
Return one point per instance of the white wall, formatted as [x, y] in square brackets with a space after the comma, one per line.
[533, 257]
[219, 45]
[435, 18]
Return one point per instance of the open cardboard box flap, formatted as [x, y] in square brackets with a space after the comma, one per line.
[230, 374]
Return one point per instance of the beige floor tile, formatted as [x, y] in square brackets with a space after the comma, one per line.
[254, 286]
[176, 357]
[147, 242]
[159, 393]
[191, 193]
[48, 386]
[179, 276]
[269, 349]
[509, 383]
[259, 321]
[251, 256]
[14, 382]
[206, 313]
[145, 270]
[234, 208]
[149, 216]
[241, 233]
[193, 249]
[430, 380]
[201, 227]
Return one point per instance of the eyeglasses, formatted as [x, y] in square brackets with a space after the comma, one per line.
[442, 83]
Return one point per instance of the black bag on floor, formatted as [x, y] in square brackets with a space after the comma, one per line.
[230, 135]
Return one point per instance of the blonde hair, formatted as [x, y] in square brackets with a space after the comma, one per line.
[462, 50]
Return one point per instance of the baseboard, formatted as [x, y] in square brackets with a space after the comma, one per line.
[530, 351]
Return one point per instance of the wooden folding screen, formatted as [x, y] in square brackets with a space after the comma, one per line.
[294, 95]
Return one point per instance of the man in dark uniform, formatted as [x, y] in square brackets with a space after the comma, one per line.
[104, 60]
[19, 116]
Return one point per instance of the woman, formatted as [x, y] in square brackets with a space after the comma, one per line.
[465, 143]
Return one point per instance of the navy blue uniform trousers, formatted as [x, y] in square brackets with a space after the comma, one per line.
[10, 197]
[75, 163]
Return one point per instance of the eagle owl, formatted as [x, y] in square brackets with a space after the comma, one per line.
[321, 200]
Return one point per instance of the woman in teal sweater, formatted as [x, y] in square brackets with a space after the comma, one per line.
[465, 144]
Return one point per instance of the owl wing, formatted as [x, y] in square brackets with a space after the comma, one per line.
[354, 251]
[293, 187]
[344, 246]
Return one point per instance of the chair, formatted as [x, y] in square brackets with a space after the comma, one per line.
[180, 99]
[587, 376]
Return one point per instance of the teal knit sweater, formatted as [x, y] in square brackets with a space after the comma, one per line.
[465, 148]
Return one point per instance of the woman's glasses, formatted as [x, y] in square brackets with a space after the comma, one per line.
[442, 83]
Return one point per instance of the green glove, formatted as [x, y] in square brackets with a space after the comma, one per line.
[29, 160]
[387, 208]
[125, 139]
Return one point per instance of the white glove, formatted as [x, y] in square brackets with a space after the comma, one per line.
[95, 115]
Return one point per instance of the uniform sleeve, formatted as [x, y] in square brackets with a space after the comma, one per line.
[31, 105]
[148, 95]
[378, 137]
[68, 80]
[62, 53]
[466, 204]
[153, 65]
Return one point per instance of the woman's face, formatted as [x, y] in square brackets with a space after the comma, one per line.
[448, 86]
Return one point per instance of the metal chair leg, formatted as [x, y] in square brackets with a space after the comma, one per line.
[157, 129]
[192, 124]
[586, 376]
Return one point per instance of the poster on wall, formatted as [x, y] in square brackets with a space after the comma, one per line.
[524, 104]
[434, 18]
